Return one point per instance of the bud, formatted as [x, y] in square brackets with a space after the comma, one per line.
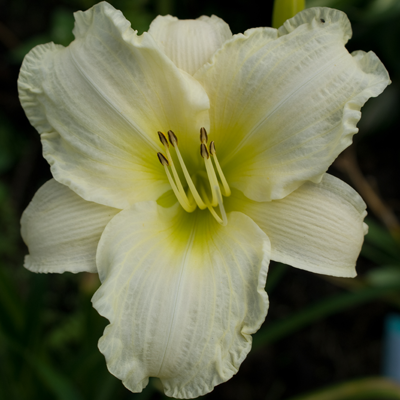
[285, 9]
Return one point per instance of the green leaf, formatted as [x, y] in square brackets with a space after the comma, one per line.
[62, 23]
[361, 389]
[11, 312]
[279, 329]
[59, 384]
[275, 274]
[382, 240]
[384, 275]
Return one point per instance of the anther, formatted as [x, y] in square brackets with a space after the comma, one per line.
[203, 136]
[195, 200]
[163, 139]
[163, 160]
[172, 138]
[174, 141]
[212, 148]
[204, 152]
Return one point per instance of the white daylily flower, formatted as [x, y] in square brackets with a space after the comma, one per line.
[182, 247]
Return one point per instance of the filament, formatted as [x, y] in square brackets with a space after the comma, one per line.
[224, 220]
[192, 199]
[227, 189]
[195, 193]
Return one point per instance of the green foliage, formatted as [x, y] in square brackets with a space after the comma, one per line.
[360, 389]
[48, 329]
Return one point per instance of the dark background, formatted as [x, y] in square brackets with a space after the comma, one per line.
[320, 331]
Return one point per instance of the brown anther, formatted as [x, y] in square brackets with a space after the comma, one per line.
[212, 148]
[203, 136]
[172, 138]
[163, 160]
[203, 151]
[163, 139]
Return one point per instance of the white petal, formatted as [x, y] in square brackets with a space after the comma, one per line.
[62, 230]
[190, 43]
[99, 103]
[183, 295]
[318, 227]
[284, 107]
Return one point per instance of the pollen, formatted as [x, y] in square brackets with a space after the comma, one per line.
[172, 138]
[163, 139]
[204, 152]
[193, 196]
[163, 159]
[203, 136]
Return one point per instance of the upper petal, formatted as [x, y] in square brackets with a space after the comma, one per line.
[318, 227]
[190, 43]
[99, 103]
[286, 103]
[62, 230]
[183, 295]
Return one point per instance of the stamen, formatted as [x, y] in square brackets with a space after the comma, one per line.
[212, 148]
[184, 202]
[221, 206]
[203, 136]
[164, 141]
[224, 220]
[172, 138]
[190, 201]
[204, 152]
[162, 159]
[227, 189]
[210, 173]
[174, 141]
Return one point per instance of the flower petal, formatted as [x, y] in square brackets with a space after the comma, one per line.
[318, 227]
[99, 103]
[183, 295]
[62, 230]
[284, 107]
[190, 43]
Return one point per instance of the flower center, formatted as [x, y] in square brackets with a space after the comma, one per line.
[196, 198]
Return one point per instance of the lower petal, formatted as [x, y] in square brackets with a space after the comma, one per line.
[62, 230]
[318, 227]
[182, 293]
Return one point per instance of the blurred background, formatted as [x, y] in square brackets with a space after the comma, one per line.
[321, 334]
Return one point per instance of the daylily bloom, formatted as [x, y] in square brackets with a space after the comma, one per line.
[184, 160]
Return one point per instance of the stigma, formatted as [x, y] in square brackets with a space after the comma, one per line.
[198, 192]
